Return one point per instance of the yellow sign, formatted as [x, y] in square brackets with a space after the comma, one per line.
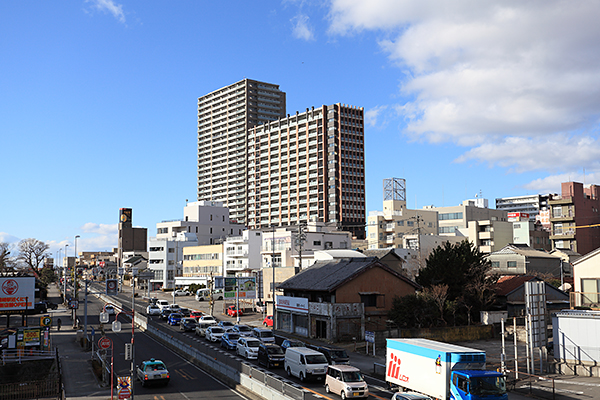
[46, 321]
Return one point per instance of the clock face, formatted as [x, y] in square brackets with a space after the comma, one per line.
[123, 218]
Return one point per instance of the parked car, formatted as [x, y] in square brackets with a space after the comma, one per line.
[188, 324]
[174, 307]
[268, 321]
[264, 335]
[270, 355]
[162, 304]
[232, 311]
[196, 314]
[152, 310]
[410, 396]
[218, 294]
[334, 355]
[229, 340]
[153, 300]
[247, 347]
[164, 314]
[243, 330]
[174, 318]
[152, 371]
[181, 292]
[291, 343]
[226, 325]
[346, 381]
[185, 311]
[305, 363]
[214, 333]
[50, 305]
[202, 327]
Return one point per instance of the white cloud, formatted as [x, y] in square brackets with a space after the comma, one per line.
[517, 83]
[109, 6]
[102, 229]
[8, 238]
[301, 28]
[372, 115]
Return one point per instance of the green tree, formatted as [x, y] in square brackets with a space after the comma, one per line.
[413, 311]
[32, 252]
[465, 270]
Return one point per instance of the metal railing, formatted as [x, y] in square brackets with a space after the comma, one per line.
[585, 300]
[20, 355]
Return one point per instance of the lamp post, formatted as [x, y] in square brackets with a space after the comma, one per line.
[65, 271]
[75, 292]
[59, 264]
[273, 267]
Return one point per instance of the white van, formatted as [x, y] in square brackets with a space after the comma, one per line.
[346, 381]
[305, 363]
[202, 294]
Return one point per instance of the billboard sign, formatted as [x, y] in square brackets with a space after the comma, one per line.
[17, 293]
[247, 288]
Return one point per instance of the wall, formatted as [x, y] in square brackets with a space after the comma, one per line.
[374, 280]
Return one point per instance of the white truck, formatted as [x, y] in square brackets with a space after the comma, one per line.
[442, 371]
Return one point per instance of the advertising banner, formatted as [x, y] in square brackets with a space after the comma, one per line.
[247, 288]
[17, 293]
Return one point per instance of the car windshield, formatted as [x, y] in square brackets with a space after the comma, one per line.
[233, 336]
[274, 350]
[296, 344]
[216, 330]
[253, 343]
[153, 307]
[208, 318]
[175, 315]
[352, 376]
[189, 321]
[175, 306]
[266, 334]
[339, 354]
[316, 359]
[155, 367]
[243, 328]
[488, 385]
[227, 323]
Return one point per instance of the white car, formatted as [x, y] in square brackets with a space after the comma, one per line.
[110, 310]
[153, 309]
[247, 347]
[180, 292]
[214, 333]
[162, 304]
[207, 318]
[175, 308]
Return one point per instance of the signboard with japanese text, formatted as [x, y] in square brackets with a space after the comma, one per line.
[297, 304]
[246, 290]
[17, 293]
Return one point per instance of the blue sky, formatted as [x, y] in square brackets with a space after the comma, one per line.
[98, 104]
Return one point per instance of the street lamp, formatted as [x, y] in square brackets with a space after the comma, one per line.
[273, 267]
[65, 272]
[59, 263]
[75, 292]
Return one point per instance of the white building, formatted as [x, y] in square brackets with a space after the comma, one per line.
[165, 258]
[242, 253]
[208, 220]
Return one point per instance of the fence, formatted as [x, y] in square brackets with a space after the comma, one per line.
[48, 386]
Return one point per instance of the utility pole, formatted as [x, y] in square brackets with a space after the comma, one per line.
[299, 242]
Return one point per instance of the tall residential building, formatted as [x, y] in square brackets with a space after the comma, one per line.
[277, 170]
[575, 217]
[224, 118]
[530, 204]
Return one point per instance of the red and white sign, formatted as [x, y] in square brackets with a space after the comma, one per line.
[124, 393]
[517, 216]
[104, 343]
[17, 293]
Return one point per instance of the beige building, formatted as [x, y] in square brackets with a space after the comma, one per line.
[203, 261]
[454, 220]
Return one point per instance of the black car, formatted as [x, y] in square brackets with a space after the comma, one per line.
[287, 343]
[334, 355]
[164, 314]
[50, 305]
[188, 324]
[185, 312]
[270, 355]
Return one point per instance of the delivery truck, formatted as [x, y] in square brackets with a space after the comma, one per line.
[442, 371]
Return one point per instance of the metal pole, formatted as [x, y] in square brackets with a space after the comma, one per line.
[503, 355]
[75, 291]
[131, 385]
[515, 345]
[237, 299]
[85, 313]
[273, 283]
[65, 271]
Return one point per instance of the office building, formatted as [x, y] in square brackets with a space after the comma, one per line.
[276, 170]
[454, 220]
[530, 204]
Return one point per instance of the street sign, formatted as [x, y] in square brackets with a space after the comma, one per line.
[124, 393]
[128, 351]
[369, 337]
[111, 287]
[45, 321]
[124, 387]
[104, 343]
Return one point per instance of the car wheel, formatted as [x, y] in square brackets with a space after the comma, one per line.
[289, 372]
[302, 377]
[327, 389]
[343, 395]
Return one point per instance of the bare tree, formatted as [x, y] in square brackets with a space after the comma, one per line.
[439, 294]
[32, 252]
[7, 263]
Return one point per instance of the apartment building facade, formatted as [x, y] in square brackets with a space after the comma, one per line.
[529, 204]
[574, 216]
[276, 170]
[224, 119]
[454, 220]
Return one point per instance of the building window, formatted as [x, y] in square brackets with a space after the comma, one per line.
[171, 250]
[447, 216]
[511, 264]
[170, 275]
[316, 243]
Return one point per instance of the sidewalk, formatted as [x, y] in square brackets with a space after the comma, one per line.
[79, 380]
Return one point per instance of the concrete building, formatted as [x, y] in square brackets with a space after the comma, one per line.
[277, 170]
[224, 119]
[202, 263]
[489, 236]
[574, 217]
[207, 220]
[586, 281]
[518, 259]
[387, 228]
[165, 259]
[529, 204]
[454, 220]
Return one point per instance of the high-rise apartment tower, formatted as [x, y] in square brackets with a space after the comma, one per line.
[282, 170]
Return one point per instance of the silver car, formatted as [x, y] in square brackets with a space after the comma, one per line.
[214, 333]
[247, 347]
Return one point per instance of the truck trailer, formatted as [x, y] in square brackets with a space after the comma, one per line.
[442, 371]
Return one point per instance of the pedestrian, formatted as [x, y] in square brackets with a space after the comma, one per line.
[58, 323]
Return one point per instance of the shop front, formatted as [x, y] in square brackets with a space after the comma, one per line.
[292, 315]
